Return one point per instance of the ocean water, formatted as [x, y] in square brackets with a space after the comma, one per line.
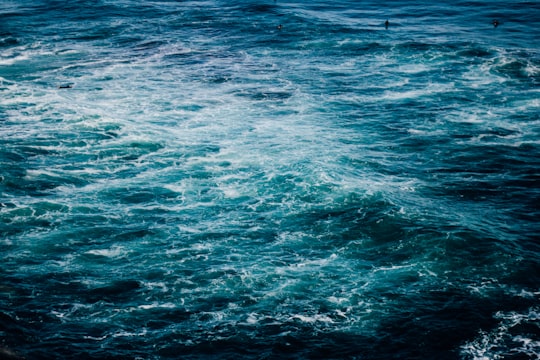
[191, 180]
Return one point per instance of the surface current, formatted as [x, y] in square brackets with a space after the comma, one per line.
[188, 179]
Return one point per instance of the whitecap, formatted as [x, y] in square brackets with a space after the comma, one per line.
[124, 333]
[113, 252]
[13, 60]
[98, 338]
[338, 300]
[313, 318]
[157, 285]
[502, 342]
[156, 305]
[252, 319]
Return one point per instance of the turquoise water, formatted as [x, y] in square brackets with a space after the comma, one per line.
[191, 180]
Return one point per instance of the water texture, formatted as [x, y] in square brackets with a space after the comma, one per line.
[269, 179]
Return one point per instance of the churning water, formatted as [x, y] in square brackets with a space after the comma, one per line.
[189, 179]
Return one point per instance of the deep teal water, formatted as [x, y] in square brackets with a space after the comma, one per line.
[213, 186]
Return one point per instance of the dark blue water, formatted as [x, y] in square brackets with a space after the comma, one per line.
[190, 180]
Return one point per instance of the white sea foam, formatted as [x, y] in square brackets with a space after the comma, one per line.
[501, 342]
[13, 60]
[252, 319]
[157, 286]
[275, 176]
[95, 338]
[313, 318]
[315, 263]
[156, 305]
[114, 252]
[123, 333]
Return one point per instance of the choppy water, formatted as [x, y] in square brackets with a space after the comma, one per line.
[213, 186]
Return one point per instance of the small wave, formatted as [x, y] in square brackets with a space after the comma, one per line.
[13, 60]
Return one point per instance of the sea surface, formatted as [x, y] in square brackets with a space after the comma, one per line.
[267, 179]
